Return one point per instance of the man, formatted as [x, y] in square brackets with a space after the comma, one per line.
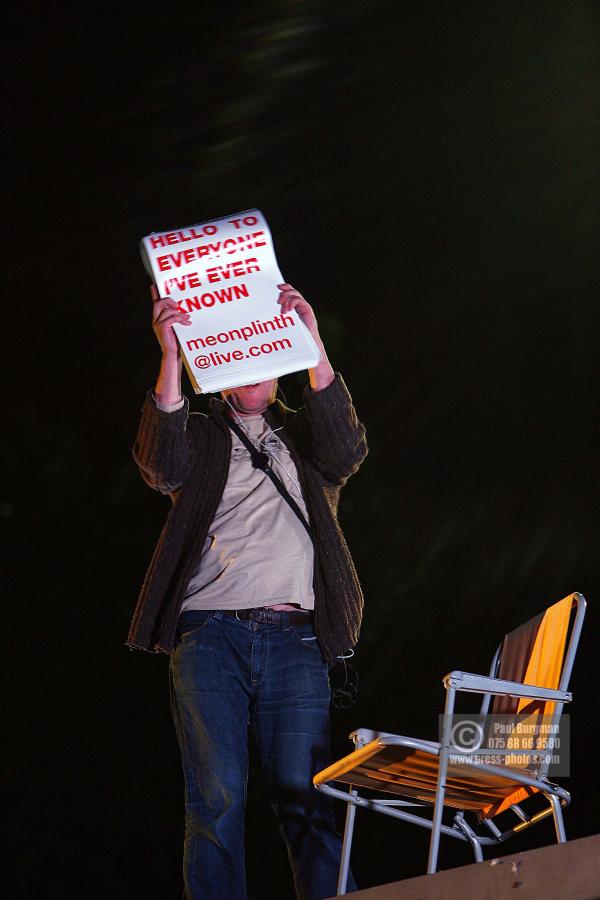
[253, 600]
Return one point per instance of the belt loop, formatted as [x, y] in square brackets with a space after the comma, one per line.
[285, 621]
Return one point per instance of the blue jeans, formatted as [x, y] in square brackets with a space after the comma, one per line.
[227, 674]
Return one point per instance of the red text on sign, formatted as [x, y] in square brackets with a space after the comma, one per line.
[225, 295]
[217, 359]
[243, 333]
[232, 270]
[186, 234]
[230, 245]
[247, 220]
[182, 283]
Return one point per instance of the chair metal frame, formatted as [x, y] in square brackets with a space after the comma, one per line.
[464, 682]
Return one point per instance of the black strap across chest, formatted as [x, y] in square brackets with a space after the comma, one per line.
[260, 460]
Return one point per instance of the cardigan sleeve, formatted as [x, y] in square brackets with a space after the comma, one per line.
[164, 448]
[336, 437]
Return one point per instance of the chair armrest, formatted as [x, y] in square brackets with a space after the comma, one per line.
[483, 684]
[362, 736]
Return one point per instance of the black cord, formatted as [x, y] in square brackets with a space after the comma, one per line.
[282, 392]
[345, 695]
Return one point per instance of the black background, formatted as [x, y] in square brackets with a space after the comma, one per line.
[428, 173]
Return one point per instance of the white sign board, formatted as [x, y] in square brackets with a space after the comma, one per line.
[225, 274]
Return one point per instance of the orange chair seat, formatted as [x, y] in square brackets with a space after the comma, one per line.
[412, 773]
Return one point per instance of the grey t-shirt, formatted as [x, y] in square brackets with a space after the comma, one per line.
[257, 552]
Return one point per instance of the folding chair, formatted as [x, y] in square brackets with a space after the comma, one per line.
[528, 680]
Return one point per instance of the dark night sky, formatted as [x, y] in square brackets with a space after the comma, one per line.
[429, 174]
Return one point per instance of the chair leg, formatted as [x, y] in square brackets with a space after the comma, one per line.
[346, 846]
[559, 825]
[470, 836]
[438, 809]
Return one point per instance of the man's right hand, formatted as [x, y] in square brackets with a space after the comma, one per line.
[165, 314]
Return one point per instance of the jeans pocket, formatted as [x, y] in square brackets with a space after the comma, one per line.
[305, 635]
[306, 651]
[191, 626]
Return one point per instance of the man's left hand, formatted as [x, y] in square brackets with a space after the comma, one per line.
[322, 375]
[289, 299]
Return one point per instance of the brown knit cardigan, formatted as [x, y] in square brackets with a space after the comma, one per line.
[187, 456]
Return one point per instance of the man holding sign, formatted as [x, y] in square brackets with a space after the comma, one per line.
[253, 593]
[223, 274]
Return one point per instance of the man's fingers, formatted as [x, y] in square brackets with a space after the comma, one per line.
[291, 298]
[169, 315]
[165, 302]
[293, 301]
[287, 292]
[290, 304]
[161, 304]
